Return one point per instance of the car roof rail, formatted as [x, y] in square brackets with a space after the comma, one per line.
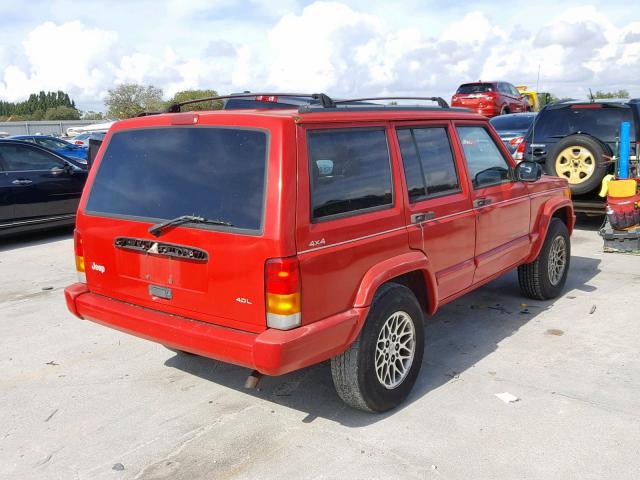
[363, 102]
[324, 99]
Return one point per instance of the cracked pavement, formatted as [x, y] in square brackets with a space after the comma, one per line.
[81, 401]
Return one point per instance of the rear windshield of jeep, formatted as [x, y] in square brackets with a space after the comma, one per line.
[155, 174]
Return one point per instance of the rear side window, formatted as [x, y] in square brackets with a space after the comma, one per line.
[350, 171]
[24, 158]
[162, 173]
[602, 123]
[475, 88]
[428, 161]
[486, 164]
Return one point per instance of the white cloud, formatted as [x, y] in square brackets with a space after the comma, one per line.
[326, 46]
[85, 68]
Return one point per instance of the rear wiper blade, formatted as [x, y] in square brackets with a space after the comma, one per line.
[157, 229]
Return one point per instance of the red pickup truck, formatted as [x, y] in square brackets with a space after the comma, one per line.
[276, 239]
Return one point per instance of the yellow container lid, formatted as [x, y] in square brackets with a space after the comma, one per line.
[622, 188]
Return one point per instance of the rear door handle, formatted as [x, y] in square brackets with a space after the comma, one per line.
[22, 181]
[481, 202]
[422, 217]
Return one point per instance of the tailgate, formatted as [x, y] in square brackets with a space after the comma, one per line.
[205, 271]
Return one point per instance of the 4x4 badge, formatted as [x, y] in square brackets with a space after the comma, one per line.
[317, 243]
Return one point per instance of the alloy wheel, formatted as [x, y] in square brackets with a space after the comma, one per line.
[395, 349]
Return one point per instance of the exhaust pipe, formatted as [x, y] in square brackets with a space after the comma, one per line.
[253, 379]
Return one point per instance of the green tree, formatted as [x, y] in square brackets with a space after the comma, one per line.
[61, 113]
[186, 95]
[130, 99]
[619, 94]
[36, 105]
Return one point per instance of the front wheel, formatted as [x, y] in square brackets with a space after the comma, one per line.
[544, 278]
[380, 368]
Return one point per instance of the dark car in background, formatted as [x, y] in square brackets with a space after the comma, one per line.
[490, 98]
[262, 102]
[512, 129]
[38, 188]
[59, 146]
[576, 139]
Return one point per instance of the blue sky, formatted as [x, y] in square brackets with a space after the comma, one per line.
[344, 48]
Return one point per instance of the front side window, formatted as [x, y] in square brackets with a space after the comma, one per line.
[428, 162]
[18, 158]
[486, 164]
[350, 171]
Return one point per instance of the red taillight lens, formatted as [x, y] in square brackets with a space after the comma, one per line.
[78, 249]
[266, 98]
[283, 276]
[78, 142]
[516, 141]
[282, 285]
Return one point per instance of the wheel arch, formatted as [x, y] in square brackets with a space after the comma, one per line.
[558, 207]
[412, 269]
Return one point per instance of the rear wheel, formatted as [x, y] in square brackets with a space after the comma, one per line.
[504, 110]
[544, 278]
[580, 160]
[380, 368]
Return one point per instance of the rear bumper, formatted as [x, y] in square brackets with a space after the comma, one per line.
[272, 352]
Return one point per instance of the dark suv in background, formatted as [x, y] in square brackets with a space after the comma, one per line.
[576, 139]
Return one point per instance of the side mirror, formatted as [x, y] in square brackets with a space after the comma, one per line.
[527, 171]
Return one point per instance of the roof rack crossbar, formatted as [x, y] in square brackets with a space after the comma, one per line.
[442, 103]
[325, 100]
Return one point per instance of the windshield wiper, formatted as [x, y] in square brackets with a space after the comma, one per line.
[157, 229]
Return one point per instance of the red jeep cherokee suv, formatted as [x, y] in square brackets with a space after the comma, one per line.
[490, 98]
[277, 239]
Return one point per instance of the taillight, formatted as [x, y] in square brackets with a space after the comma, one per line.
[79, 142]
[282, 285]
[516, 141]
[518, 155]
[79, 254]
[266, 98]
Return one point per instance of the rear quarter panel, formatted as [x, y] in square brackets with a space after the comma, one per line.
[333, 270]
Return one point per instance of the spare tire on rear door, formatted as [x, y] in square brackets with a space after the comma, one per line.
[579, 159]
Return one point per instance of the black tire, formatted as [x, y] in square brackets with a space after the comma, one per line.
[596, 150]
[354, 371]
[535, 278]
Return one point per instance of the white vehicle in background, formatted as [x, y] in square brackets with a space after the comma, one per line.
[73, 132]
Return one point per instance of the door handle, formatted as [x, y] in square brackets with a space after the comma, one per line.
[481, 202]
[22, 181]
[422, 217]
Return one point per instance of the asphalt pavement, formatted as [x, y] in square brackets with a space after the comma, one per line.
[81, 401]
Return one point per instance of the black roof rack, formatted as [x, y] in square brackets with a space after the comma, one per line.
[364, 103]
[439, 100]
[323, 99]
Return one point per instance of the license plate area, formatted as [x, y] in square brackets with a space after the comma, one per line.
[160, 292]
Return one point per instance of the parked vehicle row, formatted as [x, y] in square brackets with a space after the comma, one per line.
[62, 147]
[302, 235]
[38, 187]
